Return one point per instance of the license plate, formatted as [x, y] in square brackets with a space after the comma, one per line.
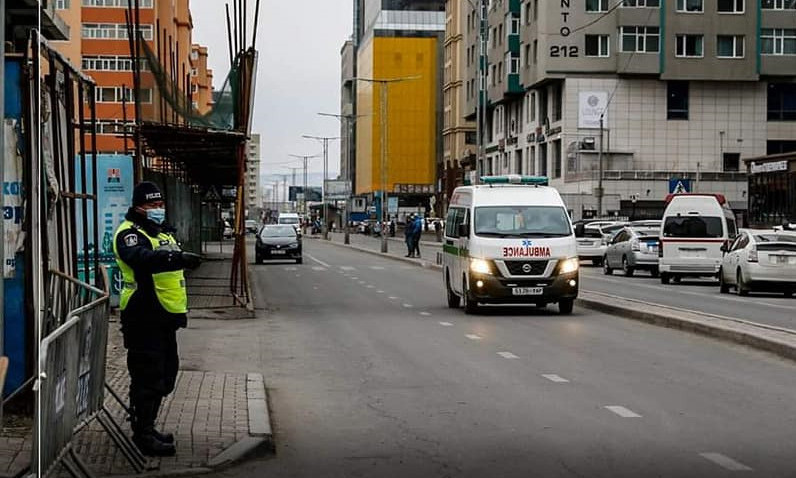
[277, 252]
[782, 259]
[527, 291]
[586, 243]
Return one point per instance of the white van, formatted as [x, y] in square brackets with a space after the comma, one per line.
[693, 230]
[509, 240]
[290, 218]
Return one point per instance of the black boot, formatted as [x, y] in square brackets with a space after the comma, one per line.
[164, 437]
[149, 445]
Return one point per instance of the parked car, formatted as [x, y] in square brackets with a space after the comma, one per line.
[278, 241]
[591, 244]
[631, 249]
[252, 226]
[228, 231]
[759, 260]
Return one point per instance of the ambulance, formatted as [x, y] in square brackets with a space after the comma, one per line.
[509, 240]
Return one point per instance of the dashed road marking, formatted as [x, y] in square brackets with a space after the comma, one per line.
[318, 261]
[473, 337]
[507, 355]
[425, 314]
[623, 412]
[408, 306]
[725, 462]
[318, 268]
[377, 268]
[314, 288]
[555, 378]
[347, 268]
[446, 324]
[392, 298]
[379, 291]
[371, 286]
[291, 268]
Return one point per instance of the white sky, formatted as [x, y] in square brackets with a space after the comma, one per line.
[298, 75]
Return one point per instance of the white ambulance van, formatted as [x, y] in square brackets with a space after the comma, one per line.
[509, 240]
[693, 230]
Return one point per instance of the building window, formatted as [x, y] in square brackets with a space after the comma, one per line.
[543, 159]
[527, 55]
[640, 39]
[110, 63]
[778, 41]
[730, 46]
[782, 101]
[730, 6]
[117, 94]
[677, 100]
[641, 3]
[115, 3]
[514, 65]
[527, 12]
[558, 102]
[532, 108]
[113, 127]
[557, 158]
[779, 5]
[691, 6]
[112, 31]
[535, 51]
[732, 161]
[61, 4]
[515, 26]
[597, 45]
[596, 5]
[689, 46]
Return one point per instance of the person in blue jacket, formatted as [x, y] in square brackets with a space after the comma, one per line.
[417, 231]
[409, 234]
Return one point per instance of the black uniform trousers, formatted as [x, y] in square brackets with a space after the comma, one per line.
[153, 362]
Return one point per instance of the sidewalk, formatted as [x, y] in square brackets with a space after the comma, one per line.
[396, 246]
[216, 417]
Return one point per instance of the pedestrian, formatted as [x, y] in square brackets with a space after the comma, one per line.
[418, 232]
[409, 235]
[153, 302]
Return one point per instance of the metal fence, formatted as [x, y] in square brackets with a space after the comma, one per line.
[72, 381]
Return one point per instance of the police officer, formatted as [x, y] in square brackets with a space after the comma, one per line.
[153, 303]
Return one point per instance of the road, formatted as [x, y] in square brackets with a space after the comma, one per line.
[369, 374]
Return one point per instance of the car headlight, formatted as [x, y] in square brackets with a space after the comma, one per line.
[295, 244]
[569, 265]
[480, 266]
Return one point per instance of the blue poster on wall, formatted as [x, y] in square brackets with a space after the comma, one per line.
[115, 185]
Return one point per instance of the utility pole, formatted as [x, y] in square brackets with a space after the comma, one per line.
[304, 158]
[293, 179]
[599, 192]
[383, 83]
[348, 122]
[325, 140]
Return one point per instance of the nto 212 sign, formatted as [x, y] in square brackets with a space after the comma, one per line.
[566, 51]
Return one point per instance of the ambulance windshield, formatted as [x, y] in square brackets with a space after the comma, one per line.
[521, 221]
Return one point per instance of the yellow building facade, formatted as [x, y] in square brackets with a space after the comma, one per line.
[412, 116]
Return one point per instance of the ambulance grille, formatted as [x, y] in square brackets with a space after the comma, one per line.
[518, 268]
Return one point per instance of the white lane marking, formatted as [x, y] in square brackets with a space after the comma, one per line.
[361, 282]
[318, 268]
[473, 337]
[623, 412]
[507, 355]
[291, 268]
[319, 261]
[555, 378]
[392, 298]
[371, 286]
[725, 461]
[425, 314]
[354, 278]
[408, 306]
[377, 268]
[347, 268]
[379, 291]
[446, 324]
[314, 288]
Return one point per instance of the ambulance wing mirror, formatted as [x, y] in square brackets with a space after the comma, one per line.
[580, 230]
[463, 230]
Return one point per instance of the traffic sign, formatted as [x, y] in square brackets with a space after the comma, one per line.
[679, 186]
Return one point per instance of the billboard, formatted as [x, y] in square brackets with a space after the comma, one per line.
[591, 104]
[313, 194]
[337, 189]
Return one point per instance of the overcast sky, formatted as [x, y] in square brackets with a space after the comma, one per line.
[298, 75]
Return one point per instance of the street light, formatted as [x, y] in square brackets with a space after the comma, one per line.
[479, 107]
[304, 158]
[348, 121]
[325, 140]
[383, 83]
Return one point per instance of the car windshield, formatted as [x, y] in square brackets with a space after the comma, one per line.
[692, 226]
[521, 221]
[288, 220]
[278, 231]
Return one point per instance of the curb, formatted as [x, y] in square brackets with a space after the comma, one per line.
[777, 341]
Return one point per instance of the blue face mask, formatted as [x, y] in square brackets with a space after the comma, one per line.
[157, 215]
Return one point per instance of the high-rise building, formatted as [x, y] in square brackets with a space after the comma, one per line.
[402, 42]
[99, 45]
[683, 90]
[347, 111]
[254, 190]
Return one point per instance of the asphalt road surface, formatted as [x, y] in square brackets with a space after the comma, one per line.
[370, 374]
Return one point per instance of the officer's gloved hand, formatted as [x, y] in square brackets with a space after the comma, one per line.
[190, 260]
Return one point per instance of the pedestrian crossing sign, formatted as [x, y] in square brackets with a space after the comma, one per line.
[679, 186]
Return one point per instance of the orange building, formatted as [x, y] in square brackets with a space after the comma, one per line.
[101, 48]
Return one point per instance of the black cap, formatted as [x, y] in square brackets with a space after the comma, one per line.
[145, 192]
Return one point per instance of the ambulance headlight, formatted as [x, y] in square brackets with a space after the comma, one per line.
[569, 265]
[480, 266]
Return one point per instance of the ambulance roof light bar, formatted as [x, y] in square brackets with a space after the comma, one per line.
[515, 179]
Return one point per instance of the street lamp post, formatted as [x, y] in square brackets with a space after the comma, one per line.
[348, 121]
[304, 158]
[383, 83]
[325, 140]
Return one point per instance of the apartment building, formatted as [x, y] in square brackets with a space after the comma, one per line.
[99, 45]
[402, 42]
[683, 90]
[254, 189]
[458, 133]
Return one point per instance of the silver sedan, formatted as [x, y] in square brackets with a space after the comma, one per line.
[631, 249]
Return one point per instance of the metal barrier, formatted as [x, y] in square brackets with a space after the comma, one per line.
[71, 386]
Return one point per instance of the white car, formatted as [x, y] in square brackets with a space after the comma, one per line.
[760, 260]
[592, 244]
